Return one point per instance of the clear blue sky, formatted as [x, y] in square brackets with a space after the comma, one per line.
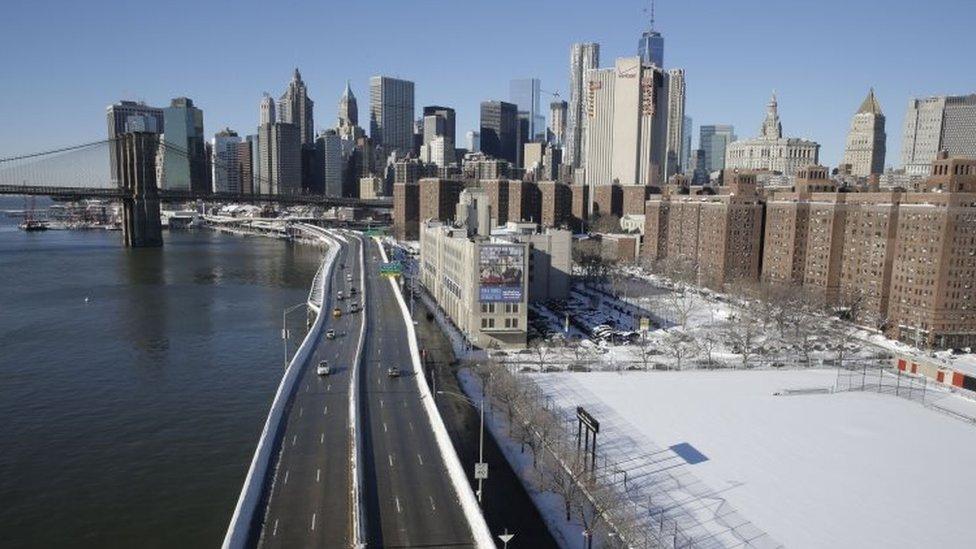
[64, 61]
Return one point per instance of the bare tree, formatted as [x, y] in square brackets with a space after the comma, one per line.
[742, 332]
[541, 351]
[680, 305]
[646, 349]
[680, 346]
[708, 343]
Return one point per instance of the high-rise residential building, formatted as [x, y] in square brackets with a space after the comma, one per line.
[598, 153]
[226, 174]
[126, 116]
[676, 122]
[770, 150]
[640, 101]
[526, 94]
[391, 119]
[713, 139]
[557, 122]
[474, 141]
[348, 109]
[865, 150]
[294, 107]
[650, 47]
[583, 57]
[934, 124]
[499, 130]
[182, 150]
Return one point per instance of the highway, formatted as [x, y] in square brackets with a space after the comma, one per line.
[309, 504]
[410, 501]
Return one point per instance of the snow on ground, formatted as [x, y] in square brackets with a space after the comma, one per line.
[852, 469]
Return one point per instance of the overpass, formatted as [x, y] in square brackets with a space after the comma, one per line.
[75, 173]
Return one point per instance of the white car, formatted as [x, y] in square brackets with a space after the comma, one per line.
[330, 334]
[323, 369]
[339, 295]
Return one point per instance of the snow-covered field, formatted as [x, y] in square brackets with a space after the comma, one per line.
[852, 469]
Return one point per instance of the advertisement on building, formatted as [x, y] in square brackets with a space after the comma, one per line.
[500, 270]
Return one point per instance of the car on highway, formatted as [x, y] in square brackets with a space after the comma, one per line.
[339, 295]
[352, 290]
[337, 312]
[393, 371]
[323, 369]
[330, 334]
[348, 277]
[353, 307]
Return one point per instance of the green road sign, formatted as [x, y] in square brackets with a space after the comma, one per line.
[393, 268]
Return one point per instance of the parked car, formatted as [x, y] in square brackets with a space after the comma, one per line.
[330, 334]
[323, 369]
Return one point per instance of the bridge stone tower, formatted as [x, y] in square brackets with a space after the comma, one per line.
[141, 226]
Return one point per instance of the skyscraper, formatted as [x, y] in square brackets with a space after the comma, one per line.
[268, 115]
[557, 122]
[865, 150]
[933, 124]
[640, 100]
[650, 47]
[713, 139]
[391, 113]
[286, 158]
[676, 122]
[686, 146]
[438, 135]
[294, 107]
[183, 153]
[268, 119]
[526, 94]
[599, 128]
[348, 108]
[582, 58]
[499, 130]
[226, 173]
[328, 153]
[474, 141]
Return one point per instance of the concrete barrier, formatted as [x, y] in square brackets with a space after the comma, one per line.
[247, 518]
[355, 420]
[469, 504]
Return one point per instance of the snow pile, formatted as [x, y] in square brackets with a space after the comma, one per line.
[728, 460]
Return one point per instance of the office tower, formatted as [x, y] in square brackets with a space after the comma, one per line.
[583, 57]
[640, 101]
[256, 175]
[438, 135]
[650, 47]
[329, 160]
[522, 125]
[598, 112]
[713, 139]
[557, 122]
[686, 146]
[865, 150]
[268, 111]
[226, 176]
[245, 164]
[696, 167]
[348, 108]
[294, 107]
[391, 119]
[447, 117]
[126, 116]
[183, 153]
[285, 169]
[934, 124]
[676, 122]
[474, 141]
[770, 151]
[267, 120]
[526, 94]
[499, 130]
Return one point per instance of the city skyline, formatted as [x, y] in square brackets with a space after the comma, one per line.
[726, 89]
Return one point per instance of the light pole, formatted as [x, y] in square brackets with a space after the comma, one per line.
[284, 327]
[481, 468]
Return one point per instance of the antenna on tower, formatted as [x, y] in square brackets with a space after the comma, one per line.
[652, 14]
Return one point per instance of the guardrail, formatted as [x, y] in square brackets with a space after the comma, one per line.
[355, 420]
[246, 520]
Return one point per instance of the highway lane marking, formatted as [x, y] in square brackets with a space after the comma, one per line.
[286, 477]
[381, 403]
[274, 532]
[317, 473]
[325, 410]
[404, 403]
[411, 426]
[391, 459]
[398, 504]
[384, 427]
[306, 387]
[313, 521]
[328, 387]
[322, 439]
[432, 507]
[420, 459]
[293, 439]
[301, 411]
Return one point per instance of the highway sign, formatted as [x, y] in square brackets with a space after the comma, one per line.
[645, 324]
[393, 268]
[481, 471]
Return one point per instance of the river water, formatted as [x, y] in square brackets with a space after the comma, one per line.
[129, 420]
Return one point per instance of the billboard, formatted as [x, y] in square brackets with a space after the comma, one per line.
[501, 269]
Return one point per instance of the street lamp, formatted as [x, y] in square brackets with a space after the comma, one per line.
[284, 326]
[481, 468]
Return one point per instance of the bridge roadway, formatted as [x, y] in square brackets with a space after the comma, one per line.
[410, 501]
[310, 503]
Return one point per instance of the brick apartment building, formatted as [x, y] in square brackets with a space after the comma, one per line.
[406, 211]
[557, 204]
